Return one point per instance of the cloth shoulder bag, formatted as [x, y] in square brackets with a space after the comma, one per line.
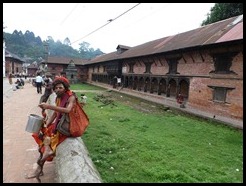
[74, 123]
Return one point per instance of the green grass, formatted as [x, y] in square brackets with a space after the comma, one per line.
[132, 141]
[85, 86]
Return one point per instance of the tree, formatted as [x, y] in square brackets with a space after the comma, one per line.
[84, 49]
[221, 11]
[35, 49]
[50, 39]
[67, 42]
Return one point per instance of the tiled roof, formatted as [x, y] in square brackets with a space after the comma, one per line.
[65, 60]
[223, 31]
[34, 66]
[14, 56]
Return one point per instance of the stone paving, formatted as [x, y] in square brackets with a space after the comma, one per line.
[19, 148]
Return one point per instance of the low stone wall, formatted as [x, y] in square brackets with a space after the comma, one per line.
[73, 164]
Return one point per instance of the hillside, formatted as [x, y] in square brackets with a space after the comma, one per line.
[32, 48]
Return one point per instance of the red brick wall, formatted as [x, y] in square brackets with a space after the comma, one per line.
[200, 95]
[197, 66]
[159, 67]
[16, 65]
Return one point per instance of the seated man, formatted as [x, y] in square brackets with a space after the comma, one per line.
[22, 81]
[49, 137]
[18, 84]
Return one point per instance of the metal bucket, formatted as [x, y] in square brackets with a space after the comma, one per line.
[34, 123]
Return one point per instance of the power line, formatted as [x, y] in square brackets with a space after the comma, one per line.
[109, 21]
[69, 14]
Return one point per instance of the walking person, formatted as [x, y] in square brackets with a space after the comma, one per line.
[10, 78]
[39, 82]
[47, 91]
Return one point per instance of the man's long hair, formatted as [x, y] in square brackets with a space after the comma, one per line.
[61, 80]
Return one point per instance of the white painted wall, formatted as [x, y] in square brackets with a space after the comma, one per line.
[4, 75]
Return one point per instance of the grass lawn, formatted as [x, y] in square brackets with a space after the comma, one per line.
[133, 141]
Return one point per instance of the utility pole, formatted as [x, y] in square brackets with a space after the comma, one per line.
[46, 47]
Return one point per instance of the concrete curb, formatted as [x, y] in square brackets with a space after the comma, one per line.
[73, 164]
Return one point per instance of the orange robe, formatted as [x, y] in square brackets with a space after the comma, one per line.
[55, 136]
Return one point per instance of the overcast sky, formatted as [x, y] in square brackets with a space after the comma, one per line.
[131, 24]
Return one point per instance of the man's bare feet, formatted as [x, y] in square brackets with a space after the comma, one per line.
[38, 172]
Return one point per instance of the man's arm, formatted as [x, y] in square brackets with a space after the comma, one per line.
[67, 109]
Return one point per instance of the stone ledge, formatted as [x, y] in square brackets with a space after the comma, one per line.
[73, 164]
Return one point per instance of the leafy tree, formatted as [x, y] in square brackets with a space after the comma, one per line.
[67, 41]
[50, 39]
[86, 52]
[30, 47]
[24, 44]
[84, 47]
[59, 49]
[221, 11]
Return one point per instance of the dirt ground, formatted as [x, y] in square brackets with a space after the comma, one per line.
[142, 105]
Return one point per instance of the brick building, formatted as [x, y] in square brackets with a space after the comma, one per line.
[72, 67]
[204, 65]
[13, 64]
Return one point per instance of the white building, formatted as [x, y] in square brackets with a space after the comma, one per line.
[4, 75]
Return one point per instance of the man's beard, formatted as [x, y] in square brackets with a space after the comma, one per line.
[59, 94]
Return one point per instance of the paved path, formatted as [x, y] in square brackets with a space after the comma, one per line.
[19, 148]
[7, 89]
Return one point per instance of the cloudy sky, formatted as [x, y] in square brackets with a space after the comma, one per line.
[104, 25]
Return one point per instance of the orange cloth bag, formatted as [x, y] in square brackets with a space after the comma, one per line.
[79, 120]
